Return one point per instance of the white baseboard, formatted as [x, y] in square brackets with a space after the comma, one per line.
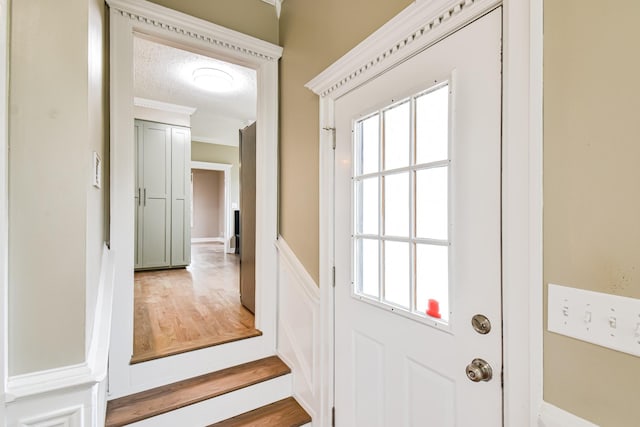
[299, 327]
[207, 239]
[552, 416]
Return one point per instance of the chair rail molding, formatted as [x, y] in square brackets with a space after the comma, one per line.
[34, 399]
[419, 26]
[129, 18]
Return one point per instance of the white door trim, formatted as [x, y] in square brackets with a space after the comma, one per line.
[177, 29]
[4, 201]
[420, 25]
[226, 168]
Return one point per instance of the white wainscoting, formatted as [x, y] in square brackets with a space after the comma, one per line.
[69, 396]
[299, 328]
[552, 416]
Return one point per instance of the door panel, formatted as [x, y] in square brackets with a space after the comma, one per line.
[156, 204]
[418, 218]
[180, 196]
[248, 217]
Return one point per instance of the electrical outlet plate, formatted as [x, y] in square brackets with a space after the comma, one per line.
[607, 320]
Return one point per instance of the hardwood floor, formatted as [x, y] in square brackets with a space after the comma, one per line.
[187, 309]
[283, 413]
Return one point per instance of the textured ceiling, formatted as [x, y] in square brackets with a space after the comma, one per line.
[163, 73]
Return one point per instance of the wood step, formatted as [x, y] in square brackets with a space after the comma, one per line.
[150, 403]
[283, 413]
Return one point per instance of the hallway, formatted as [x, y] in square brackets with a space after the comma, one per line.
[188, 309]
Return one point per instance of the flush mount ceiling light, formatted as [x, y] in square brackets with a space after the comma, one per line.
[212, 79]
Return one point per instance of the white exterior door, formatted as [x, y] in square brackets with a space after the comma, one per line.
[418, 155]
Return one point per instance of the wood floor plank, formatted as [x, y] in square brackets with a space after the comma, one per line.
[284, 413]
[188, 309]
[146, 404]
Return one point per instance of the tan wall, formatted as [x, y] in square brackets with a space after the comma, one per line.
[592, 194]
[56, 217]
[314, 34]
[215, 153]
[253, 17]
[208, 203]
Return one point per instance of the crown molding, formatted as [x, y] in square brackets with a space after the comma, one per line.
[417, 27]
[277, 4]
[147, 13]
[208, 140]
[163, 106]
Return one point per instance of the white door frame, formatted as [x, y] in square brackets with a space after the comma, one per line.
[420, 25]
[129, 17]
[226, 168]
[4, 202]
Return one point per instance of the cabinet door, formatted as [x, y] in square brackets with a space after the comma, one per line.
[154, 166]
[137, 196]
[180, 196]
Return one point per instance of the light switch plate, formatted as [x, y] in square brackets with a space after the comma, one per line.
[607, 320]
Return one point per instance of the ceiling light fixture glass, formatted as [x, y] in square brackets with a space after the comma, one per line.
[212, 79]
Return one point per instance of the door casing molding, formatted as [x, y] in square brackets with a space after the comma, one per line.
[419, 26]
[129, 17]
[226, 169]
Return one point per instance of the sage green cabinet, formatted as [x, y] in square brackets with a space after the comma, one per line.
[162, 195]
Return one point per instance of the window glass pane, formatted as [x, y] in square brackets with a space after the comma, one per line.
[396, 205]
[368, 208]
[396, 136]
[368, 140]
[432, 278]
[432, 126]
[367, 265]
[397, 288]
[432, 191]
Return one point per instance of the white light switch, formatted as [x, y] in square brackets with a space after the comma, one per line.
[607, 320]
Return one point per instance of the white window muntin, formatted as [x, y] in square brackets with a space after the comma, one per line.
[358, 238]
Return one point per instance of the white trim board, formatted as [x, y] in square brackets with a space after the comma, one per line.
[4, 200]
[129, 17]
[417, 27]
[207, 140]
[163, 106]
[207, 240]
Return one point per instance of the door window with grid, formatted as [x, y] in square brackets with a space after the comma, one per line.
[401, 226]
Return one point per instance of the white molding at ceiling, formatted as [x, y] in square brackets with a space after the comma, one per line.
[163, 106]
[157, 16]
[277, 4]
[207, 140]
[411, 32]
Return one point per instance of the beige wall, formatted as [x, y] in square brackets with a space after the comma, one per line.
[208, 203]
[592, 194]
[253, 17]
[56, 217]
[314, 34]
[215, 153]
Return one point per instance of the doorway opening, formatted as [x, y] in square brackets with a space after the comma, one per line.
[170, 28]
[189, 111]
